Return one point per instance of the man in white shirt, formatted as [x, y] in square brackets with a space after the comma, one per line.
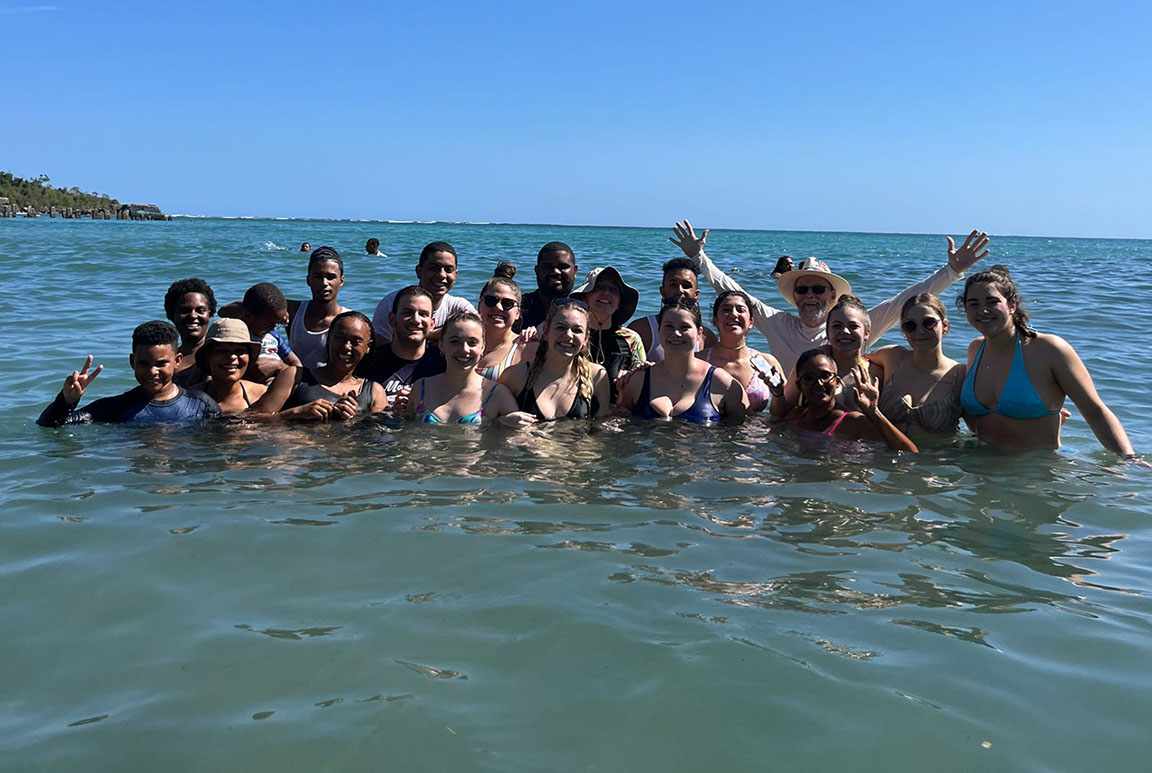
[436, 271]
[813, 289]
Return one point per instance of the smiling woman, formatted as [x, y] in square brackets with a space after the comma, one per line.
[460, 395]
[340, 388]
[1024, 375]
[189, 304]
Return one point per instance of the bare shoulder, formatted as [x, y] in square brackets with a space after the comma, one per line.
[974, 347]
[886, 355]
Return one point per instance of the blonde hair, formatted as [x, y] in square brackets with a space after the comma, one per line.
[581, 365]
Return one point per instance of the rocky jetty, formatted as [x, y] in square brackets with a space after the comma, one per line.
[36, 198]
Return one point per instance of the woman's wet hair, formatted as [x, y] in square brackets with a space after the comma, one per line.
[321, 254]
[999, 277]
[680, 303]
[924, 299]
[460, 317]
[182, 287]
[728, 294]
[812, 354]
[364, 367]
[783, 265]
[155, 333]
[406, 292]
[851, 302]
[583, 362]
[502, 277]
[431, 248]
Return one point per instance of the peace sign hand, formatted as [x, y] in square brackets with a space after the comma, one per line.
[687, 240]
[75, 384]
[867, 392]
[964, 258]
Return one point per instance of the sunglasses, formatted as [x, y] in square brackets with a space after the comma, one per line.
[909, 325]
[812, 379]
[492, 301]
[803, 289]
[571, 302]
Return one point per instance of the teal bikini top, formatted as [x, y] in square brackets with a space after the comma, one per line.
[428, 417]
[1018, 399]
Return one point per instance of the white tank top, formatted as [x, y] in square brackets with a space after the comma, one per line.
[311, 347]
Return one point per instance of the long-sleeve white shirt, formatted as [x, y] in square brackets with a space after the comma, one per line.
[788, 337]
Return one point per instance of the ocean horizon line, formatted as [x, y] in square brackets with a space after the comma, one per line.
[636, 227]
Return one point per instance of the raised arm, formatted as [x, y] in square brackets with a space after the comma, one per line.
[886, 315]
[693, 247]
[58, 411]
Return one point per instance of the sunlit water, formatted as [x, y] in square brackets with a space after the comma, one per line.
[623, 596]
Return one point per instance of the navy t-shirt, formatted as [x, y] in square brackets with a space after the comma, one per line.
[395, 372]
[136, 407]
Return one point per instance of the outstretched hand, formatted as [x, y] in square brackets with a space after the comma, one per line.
[75, 384]
[969, 252]
[686, 239]
[867, 392]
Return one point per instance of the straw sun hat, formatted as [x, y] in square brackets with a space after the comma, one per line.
[812, 267]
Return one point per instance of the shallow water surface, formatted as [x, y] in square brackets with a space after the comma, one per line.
[623, 596]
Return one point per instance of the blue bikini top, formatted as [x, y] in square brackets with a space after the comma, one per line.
[1018, 399]
[428, 417]
[701, 411]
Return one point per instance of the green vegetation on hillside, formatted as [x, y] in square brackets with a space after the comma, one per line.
[39, 194]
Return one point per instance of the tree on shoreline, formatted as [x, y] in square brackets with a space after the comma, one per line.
[38, 193]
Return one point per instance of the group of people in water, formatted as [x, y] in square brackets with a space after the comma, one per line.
[563, 351]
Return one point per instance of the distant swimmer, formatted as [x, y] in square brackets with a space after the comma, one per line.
[190, 305]
[678, 278]
[561, 381]
[340, 389]
[1018, 379]
[436, 271]
[460, 395]
[783, 266]
[372, 249]
[818, 381]
[305, 247]
[812, 288]
[682, 386]
[921, 390]
[555, 278]
[156, 400]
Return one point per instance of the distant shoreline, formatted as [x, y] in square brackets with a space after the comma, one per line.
[485, 224]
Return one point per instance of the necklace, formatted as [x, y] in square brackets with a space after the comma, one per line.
[743, 345]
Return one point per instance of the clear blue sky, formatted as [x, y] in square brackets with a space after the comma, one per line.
[1017, 117]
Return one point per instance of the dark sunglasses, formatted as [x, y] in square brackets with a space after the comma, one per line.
[909, 325]
[812, 379]
[492, 301]
[571, 302]
[803, 289]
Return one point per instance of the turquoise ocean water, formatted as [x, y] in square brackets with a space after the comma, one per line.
[629, 596]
